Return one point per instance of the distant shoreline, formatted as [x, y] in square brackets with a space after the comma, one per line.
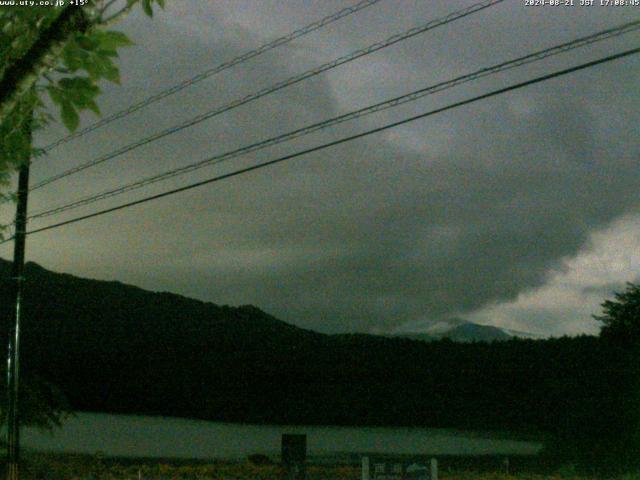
[168, 437]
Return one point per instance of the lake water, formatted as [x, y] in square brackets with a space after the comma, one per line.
[140, 436]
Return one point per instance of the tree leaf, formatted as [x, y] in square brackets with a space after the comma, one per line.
[74, 57]
[93, 106]
[56, 94]
[146, 6]
[88, 42]
[111, 72]
[69, 116]
[111, 40]
[78, 90]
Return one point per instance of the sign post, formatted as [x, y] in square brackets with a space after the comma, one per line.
[294, 455]
[365, 468]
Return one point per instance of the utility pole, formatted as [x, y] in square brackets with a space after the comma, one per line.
[13, 353]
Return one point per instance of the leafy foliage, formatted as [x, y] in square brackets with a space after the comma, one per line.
[15, 140]
[621, 317]
[42, 404]
[95, 54]
[71, 74]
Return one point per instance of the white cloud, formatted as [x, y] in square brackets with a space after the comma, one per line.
[574, 291]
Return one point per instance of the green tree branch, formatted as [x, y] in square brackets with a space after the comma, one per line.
[20, 77]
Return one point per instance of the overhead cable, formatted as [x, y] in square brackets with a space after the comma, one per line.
[394, 102]
[340, 141]
[214, 71]
[274, 88]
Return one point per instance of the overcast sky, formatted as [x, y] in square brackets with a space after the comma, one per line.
[520, 211]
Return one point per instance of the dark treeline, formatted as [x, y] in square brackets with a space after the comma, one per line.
[115, 348]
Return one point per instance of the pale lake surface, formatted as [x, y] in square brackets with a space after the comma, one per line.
[141, 436]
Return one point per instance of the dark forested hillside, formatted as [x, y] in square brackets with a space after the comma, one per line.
[116, 348]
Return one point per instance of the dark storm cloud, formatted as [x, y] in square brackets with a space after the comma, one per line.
[436, 219]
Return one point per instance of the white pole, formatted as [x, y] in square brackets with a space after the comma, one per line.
[434, 469]
[365, 468]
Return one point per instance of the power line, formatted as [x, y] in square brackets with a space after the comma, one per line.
[214, 71]
[342, 140]
[274, 88]
[413, 96]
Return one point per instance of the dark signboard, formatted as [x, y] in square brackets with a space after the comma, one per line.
[294, 448]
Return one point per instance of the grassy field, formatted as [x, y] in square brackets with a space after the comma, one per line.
[86, 467]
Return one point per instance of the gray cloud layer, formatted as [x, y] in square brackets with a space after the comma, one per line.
[436, 219]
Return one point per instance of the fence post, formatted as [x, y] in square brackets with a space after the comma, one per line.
[365, 468]
[434, 469]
